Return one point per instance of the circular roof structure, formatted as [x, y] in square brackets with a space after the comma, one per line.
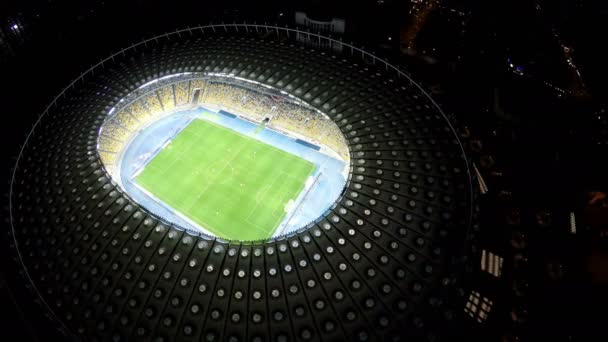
[384, 263]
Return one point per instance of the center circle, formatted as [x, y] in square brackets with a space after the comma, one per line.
[224, 155]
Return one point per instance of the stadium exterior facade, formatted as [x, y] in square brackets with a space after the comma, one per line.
[388, 261]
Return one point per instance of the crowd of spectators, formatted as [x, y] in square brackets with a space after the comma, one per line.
[279, 112]
[167, 98]
[282, 113]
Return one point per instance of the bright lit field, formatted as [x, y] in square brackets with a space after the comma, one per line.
[230, 184]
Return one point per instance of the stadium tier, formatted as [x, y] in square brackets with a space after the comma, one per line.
[386, 261]
[257, 103]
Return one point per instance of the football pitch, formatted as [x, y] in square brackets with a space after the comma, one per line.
[232, 185]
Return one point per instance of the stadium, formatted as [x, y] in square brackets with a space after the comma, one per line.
[227, 183]
[159, 132]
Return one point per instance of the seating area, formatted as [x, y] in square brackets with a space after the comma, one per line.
[308, 123]
[197, 84]
[182, 93]
[284, 114]
[127, 119]
[139, 111]
[166, 96]
[237, 99]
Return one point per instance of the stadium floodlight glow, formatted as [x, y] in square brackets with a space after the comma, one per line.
[148, 84]
[170, 76]
[164, 78]
[15, 27]
[111, 110]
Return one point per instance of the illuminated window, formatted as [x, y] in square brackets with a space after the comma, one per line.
[572, 223]
[491, 263]
[477, 307]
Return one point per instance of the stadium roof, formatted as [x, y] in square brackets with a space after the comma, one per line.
[386, 261]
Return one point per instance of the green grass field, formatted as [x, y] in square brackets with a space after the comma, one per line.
[232, 185]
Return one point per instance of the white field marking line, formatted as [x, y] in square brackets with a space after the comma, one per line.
[226, 180]
[233, 185]
[177, 158]
[158, 171]
[264, 231]
[241, 147]
[257, 202]
[183, 154]
[147, 163]
[253, 225]
[284, 195]
[205, 229]
[263, 191]
[236, 182]
[282, 174]
[208, 228]
[300, 199]
[281, 209]
[165, 169]
[165, 144]
[258, 228]
[201, 193]
[268, 144]
[277, 223]
[282, 214]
